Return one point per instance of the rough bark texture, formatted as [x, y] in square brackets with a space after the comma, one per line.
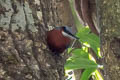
[109, 21]
[23, 51]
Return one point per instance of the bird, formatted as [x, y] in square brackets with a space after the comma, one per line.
[59, 39]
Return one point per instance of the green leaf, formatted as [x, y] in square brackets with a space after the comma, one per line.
[80, 53]
[87, 73]
[69, 50]
[80, 63]
[98, 75]
[84, 30]
[90, 38]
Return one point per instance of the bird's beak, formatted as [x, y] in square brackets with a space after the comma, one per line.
[75, 37]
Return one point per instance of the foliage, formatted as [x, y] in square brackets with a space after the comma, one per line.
[81, 58]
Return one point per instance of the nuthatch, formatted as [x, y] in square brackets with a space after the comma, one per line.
[59, 39]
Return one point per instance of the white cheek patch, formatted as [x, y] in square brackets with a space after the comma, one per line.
[67, 35]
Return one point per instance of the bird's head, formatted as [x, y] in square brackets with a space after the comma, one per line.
[67, 32]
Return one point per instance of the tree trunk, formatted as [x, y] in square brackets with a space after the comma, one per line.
[109, 21]
[24, 54]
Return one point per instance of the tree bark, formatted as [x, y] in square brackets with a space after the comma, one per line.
[108, 12]
[24, 54]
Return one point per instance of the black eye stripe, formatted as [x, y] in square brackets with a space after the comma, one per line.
[69, 32]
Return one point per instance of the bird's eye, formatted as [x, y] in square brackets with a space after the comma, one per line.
[66, 29]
